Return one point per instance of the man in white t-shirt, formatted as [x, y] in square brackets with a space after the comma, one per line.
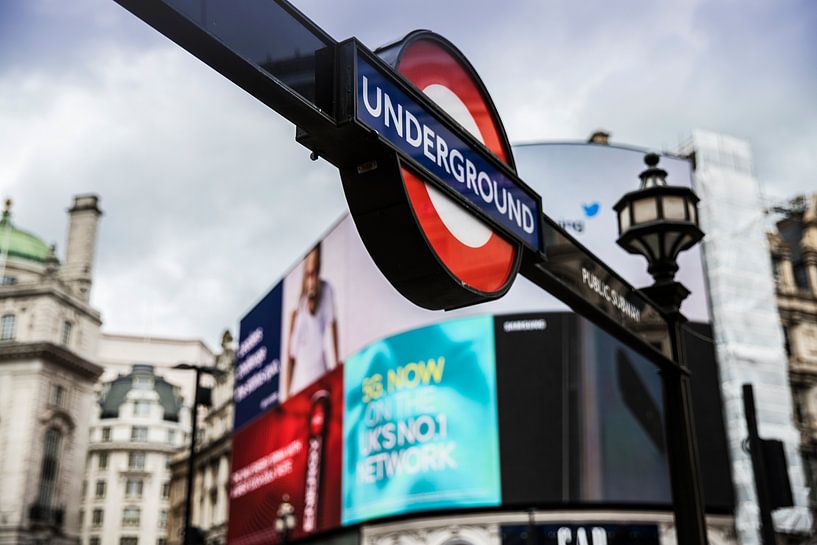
[306, 359]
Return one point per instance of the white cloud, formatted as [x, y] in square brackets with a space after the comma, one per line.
[208, 198]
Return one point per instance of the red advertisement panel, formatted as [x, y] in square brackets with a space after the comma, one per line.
[288, 461]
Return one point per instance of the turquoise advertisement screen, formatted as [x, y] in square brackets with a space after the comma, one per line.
[420, 424]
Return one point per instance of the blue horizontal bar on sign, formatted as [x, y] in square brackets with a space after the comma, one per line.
[418, 133]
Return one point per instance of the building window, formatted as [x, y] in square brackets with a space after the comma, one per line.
[130, 540]
[141, 407]
[8, 280]
[171, 436]
[7, 327]
[776, 270]
[97, 517]
[66, 332]
[161, 541]
[800, 276]
[138, 433]
[163, 518]
[133, 488]
[50, 467]
[57, 397]
[136, 460]
[94, 541]
[81, 517]
[102, 460]
[99, 491]
[165, 490]
[167, 461]
[130, 516]
[106, 434]
[141, 382]
[786, 341]
[797, 401]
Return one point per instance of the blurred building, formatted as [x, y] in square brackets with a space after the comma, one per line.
[748, 336]
[53, 357]
[48, 339]
[581, 454]
[139, 423]
[211, 485]
[794, 258]
[117, 352]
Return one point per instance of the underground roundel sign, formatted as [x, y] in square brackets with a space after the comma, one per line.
[432, 249]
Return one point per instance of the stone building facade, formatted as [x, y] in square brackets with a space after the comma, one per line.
[117, 352]
[140, 422]
[211, 484]
[48, 340]
[794, 257]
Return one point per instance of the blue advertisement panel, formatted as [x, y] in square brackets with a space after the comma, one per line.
[420, 424]
[258, 360]
[398, 118]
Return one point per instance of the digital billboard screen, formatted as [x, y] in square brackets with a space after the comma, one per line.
[258, 362]
[290, 454]
[588, 409]
[566, 413]
[335, 301]
[481, 411]
[421, 424]
[589, 412]
[408, 423]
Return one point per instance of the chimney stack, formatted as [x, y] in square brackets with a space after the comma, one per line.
[77, 271]
[599, 137]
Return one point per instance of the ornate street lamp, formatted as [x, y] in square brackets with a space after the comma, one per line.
[660, 221]
[284, 520]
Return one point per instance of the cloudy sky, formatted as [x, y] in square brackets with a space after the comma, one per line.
[208, 199]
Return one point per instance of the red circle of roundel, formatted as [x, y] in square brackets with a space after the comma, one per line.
[487, 264]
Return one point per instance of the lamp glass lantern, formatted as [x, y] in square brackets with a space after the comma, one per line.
[658, 221]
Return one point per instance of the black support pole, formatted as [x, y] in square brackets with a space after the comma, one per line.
[682, 448]
[191, 463]
[764, 502]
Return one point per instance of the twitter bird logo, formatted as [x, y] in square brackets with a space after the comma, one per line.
[591, 209]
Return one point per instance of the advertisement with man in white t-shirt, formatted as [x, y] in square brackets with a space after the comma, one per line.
[313, 318]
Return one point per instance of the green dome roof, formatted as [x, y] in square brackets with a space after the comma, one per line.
[19, 243]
